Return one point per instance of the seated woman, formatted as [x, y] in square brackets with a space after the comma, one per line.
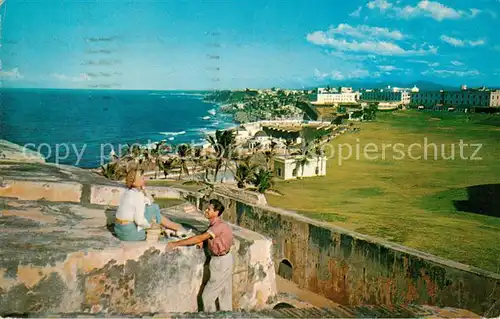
[136, 213]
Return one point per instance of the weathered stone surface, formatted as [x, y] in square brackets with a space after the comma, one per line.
[106, 194]
[58, 183]
[13, 152]
[254, 281]
[61, 258]
[351, 268]
[413, 311]
[51, 173]
[238, 194]
[51, 191]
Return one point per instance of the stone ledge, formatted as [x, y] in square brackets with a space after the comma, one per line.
[368, 311]
[51, 191]
[16, 153]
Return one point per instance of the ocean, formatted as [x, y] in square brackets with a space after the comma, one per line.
[81, 127]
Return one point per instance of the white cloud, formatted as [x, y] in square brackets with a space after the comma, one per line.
[459, 42]
[352, 57]
[425, 62]
[380, 4]
[338, 75]
[387, 68]
[12, 74]
[62, 77]
[457, 63]
[425, 8]
[364, 31]
[372, 40]
[356, 13]
[447, 73]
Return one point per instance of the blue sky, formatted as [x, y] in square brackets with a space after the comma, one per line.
[196, 44]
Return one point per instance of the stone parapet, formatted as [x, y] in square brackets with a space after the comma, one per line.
[254, 279]
[353, 269]
[33, 190]
[63, 258]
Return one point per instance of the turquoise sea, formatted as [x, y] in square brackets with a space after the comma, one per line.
[80, 127]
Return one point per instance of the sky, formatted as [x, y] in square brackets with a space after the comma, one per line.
[215, 44]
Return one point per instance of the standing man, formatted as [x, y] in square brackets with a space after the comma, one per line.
[219, 238]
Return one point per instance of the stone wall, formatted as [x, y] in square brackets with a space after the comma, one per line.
[351, 268]
[47, 190]
[254, 279]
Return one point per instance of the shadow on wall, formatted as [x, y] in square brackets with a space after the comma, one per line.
[283, 305]
[483, 199]
[285, 269]
[110, 219]
[206, 277]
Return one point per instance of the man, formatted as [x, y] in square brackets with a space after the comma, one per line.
[219, 237]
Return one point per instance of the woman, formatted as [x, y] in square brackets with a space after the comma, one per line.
[136, 212]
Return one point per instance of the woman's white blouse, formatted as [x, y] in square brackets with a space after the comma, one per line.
[132, 206]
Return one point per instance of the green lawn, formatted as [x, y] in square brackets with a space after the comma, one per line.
[168, 202]
[410, 202]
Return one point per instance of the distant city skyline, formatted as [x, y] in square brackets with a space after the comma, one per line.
[199, 45]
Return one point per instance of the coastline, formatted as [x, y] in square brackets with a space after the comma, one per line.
[204, 131]
[85, 133]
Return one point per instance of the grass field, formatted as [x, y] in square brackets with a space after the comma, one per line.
[411, 201]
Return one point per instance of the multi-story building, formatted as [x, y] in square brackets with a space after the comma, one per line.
[396, 95]
[495, 98]
[464, 98]
[427, 98]
[336, 97]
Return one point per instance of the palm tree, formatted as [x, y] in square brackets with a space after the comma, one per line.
[245, 170]
[208, 164]
[318, 151]
[166, 166]
[263, 180]
[183, 151]
[223, 144]
[288, 143]
[156, 155]
[196, 158]
[269, 155]
[302, 159]
[110, 170]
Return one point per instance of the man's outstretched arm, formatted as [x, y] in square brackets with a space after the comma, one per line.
[190, 241]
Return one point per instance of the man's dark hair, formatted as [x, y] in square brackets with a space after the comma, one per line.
[218, 207]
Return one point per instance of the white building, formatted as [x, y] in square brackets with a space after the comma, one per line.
[260, 139]
[242, 134]
[337, 98]
[286, 167]
[346, 89]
